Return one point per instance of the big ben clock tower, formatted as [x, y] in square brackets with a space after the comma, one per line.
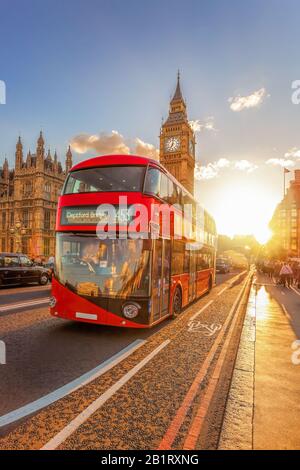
[177, 142]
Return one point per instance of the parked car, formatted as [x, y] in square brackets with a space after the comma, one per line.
[222, 266]
[16, 268]
[49, 267]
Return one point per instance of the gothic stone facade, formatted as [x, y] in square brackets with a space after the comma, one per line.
[177, 142]
[28, 197]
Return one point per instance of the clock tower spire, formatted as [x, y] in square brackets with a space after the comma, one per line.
[177, 142]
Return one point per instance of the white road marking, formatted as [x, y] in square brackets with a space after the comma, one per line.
[96, 404]
[236, 278]
[22, 290]
[295, 290]
[30, 303]
[286, 312]
[71, 386]
[223, 290]
[201, 310]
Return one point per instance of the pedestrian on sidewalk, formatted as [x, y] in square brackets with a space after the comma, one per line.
[271, 268]
[277, 269]
[285, 275]
[290, 275]
[297, 276]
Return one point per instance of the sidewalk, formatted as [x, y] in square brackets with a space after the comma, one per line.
[263, 407]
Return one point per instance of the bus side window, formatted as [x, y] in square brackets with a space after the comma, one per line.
[186, 264]
[177, 257]
[152, 184]
[164, 187]
[173, 195]
[203, 260]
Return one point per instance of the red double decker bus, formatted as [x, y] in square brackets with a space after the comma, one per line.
[139, 270]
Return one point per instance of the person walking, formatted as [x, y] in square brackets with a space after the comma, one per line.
[271, 268]
[297, 276]
[285, 275]
[290, 276]
[277, 269]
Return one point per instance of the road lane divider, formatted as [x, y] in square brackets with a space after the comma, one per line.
[4, 291]
[236, 278]
[223, 290]
[66, 432]
[200, 311]
[177, 421]
[286, 312]
[295, 290]
[29, 303]
[70, 387]
[202, 412]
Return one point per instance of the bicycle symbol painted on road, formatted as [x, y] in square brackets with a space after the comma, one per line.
[205, 328]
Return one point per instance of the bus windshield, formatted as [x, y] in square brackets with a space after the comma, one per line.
[103, 268]
[105, 179]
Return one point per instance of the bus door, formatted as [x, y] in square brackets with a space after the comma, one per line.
[166, 272]
[192, 275]
[160, 278]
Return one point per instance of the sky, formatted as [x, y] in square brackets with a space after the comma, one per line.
[100, 74]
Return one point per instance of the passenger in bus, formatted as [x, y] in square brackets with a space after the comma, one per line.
[96, 258]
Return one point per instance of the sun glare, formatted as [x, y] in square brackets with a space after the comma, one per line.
[243, 209]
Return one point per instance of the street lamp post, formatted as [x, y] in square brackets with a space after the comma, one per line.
[18, 231]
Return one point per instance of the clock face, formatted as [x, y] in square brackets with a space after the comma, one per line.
[191, 147]
[172, 144]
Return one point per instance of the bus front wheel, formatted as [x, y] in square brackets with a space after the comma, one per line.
[177, 303]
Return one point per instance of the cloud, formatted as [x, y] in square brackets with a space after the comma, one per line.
[146, 150]
[212, 170]
[102, 143]
[280, 162]
[208, 124]
[245, 165]
[112, 143]
[207, 172]
[239, 102]
[290, 158]
[293, 153]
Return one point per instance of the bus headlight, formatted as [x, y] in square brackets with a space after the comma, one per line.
[52, 302]
[131, 310]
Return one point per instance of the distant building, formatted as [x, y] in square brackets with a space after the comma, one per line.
[28, 199]
[177, 142]
[285, 223]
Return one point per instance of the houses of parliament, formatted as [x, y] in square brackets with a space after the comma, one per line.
[29, 192]
[28, 200]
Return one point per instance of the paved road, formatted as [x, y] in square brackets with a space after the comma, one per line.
[44, 354]
[21, 295]
[220, 278]
[18, 295]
